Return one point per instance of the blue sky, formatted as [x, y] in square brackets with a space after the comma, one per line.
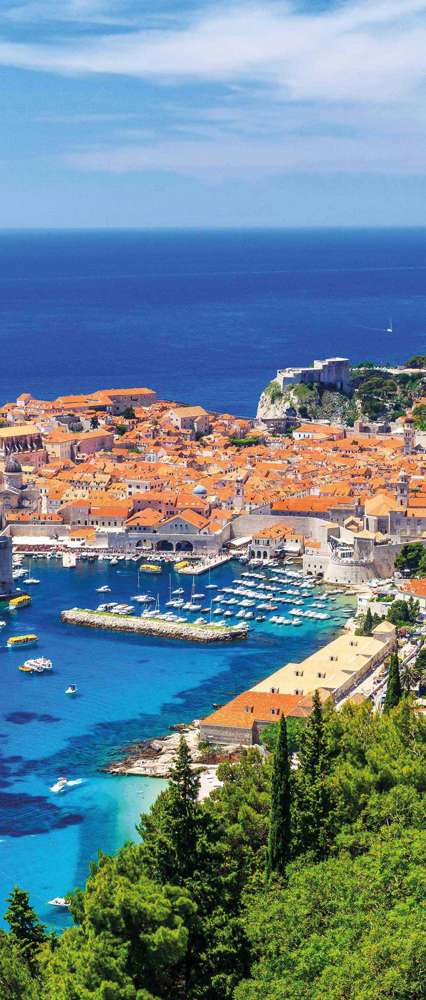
[165, 113]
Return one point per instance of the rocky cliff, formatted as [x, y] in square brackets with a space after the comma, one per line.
[305, 402]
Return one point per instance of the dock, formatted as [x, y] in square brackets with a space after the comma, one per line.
[186, 631]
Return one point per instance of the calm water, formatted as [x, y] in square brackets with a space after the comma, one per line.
[203, 317]
[128, 688]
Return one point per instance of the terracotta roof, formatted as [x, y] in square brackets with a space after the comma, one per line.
[255, 706]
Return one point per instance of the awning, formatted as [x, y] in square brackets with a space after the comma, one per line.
[237, 543]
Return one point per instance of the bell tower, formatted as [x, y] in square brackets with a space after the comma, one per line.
[402, 489]
[409, 441]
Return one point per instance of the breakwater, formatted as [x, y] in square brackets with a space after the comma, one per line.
[187, 631]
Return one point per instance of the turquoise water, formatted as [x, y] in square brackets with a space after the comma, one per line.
[129, 688]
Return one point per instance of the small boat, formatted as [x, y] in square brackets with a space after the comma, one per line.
[59, 785]
[3, 624]
[19, 602]
[150, 568]
[71, 689]
[60, 902]
[63, 783]
[38, 665]
[389, 329]
[103, 590]
[31, 579]
[16, 641]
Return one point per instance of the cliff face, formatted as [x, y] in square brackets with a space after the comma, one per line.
[305, 402]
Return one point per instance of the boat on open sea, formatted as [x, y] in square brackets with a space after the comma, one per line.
[62, 783]
[71, 689]
[37, 665]
[16, 641]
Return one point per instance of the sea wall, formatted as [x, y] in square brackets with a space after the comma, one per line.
[187, 631]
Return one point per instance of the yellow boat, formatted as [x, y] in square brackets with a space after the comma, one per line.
[21, 601]
[181, 565]
[150, 568]
[16, 641]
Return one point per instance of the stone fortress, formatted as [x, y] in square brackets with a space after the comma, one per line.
[329, 373]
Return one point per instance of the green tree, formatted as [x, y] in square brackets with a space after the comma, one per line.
[312, 802]
[368, 623]
[94, 422]
[26, 931]
[402, 612]
[129, 413]
[279, 839]
[170, 831]
[393, 689]
[410, 557]
[16, 981]
[131, 937]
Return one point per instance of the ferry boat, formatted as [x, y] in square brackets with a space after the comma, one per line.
[21, 601]
[38, 665]
[16, 641]
[150, 568]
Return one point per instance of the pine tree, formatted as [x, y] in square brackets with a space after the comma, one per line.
[26, 931]
[368, 623]
[279, 824]
[170, 830]
[394, 688]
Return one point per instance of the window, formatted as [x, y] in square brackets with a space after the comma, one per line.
[353, 643]
[275, 690]
[319, 674]
[298, 691]
[298, 673]
[275, 711]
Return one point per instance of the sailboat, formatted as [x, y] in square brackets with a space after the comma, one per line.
[389, 329]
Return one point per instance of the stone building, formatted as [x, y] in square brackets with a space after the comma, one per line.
[331, 372]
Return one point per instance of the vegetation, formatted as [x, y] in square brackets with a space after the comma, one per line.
[129, 413]
[121, 429]
[412, 559]
[287, 883]
[419, 417]
[366, 623]
[274, 392]
[245, 442]
[417, 361]
[403, 612]
[94, 422]
[393, 688]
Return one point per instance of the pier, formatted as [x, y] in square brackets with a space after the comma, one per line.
[188, 631]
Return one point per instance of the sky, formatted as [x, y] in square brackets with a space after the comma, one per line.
[134, 113]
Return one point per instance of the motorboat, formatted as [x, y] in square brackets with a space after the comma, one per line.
[3, 624]
[260, 618]
[31, 580]
[71, 689]
[38, 665]
[104, 589]
[63, 783]
[60, 902]
[211, 586]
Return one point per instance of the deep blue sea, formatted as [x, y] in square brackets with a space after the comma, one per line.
[202, 316]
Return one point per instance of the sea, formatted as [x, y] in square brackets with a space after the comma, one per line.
[202, 317]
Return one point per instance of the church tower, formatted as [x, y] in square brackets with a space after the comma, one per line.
[408, 435]
[239, 495]
[402, 489]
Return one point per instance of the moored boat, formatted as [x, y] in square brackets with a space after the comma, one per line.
[16, 641]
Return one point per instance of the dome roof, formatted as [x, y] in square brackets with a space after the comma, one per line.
[12, 465]
[199, 490]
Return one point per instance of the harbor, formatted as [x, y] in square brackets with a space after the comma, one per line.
[128, 688]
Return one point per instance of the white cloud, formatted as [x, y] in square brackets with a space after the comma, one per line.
[363, 51]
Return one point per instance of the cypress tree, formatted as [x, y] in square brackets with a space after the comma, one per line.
[26, 931]
[368, 623]
[394, 688]
[279, 824]
[312, 749]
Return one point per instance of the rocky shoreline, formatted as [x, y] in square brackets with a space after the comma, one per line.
[155, 757]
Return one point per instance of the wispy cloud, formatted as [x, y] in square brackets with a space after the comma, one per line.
[338, 89]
